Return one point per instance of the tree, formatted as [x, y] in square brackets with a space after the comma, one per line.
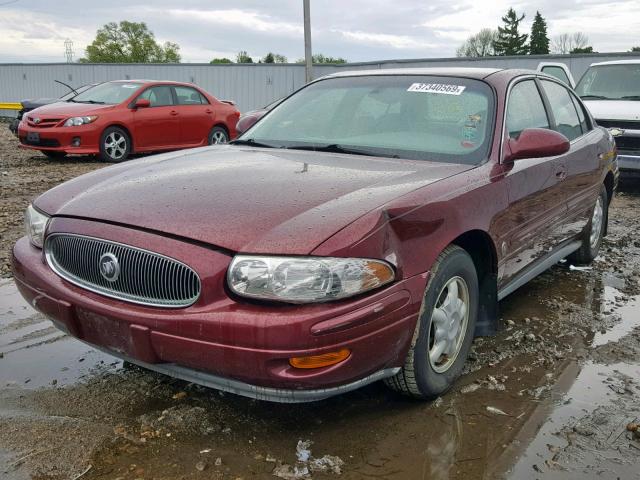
[129, 42]
[274, 58]
[635, 49]
[479, 45]
[320, 58]
[588, 49]
[539, 41]
[221, 60]
[567, 43]
[243, 57]
[509, 41]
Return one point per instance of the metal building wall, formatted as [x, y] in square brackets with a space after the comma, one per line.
[249, 85]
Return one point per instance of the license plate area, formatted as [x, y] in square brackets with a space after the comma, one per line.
[33, 137]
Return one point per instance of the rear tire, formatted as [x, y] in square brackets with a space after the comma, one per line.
[593, 232]
[115, 145]
[448, 315]
[54, 155]
[217, 136]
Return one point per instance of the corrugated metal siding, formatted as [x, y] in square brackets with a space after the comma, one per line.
[251, 85]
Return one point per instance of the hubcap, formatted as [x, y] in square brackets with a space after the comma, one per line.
[448, 324]
[115, 145]
[218, 137]
[596, 223]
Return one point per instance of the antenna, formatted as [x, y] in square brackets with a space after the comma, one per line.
[68, 50]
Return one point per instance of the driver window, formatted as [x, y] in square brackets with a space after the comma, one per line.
[525, 109]
[158, 96]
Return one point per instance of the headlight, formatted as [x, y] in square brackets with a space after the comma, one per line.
[75, 121]
[305, 279]
[35, 224]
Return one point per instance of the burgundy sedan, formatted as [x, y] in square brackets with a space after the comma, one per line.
[114, 119]
[365, 228]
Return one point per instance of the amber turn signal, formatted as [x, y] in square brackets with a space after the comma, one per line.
[318, 361]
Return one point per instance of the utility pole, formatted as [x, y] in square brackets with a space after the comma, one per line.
[308, 57]
[68, 50]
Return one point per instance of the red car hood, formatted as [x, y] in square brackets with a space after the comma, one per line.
[243, 199]
[68, 109]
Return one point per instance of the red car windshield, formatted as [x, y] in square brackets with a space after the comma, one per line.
[447, 119]
[110, 93]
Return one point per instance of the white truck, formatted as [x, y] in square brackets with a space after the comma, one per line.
[611, 91]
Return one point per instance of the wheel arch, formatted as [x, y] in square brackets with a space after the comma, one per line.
[482, 250]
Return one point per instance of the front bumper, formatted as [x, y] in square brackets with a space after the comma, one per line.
[225, 343]
[60, 139]
[629, 162]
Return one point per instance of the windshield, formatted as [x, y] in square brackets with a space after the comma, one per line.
[78, 91]
[445, 119]
[110, 93]
[610, 82]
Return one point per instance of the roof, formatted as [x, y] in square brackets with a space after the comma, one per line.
[618, 62]
[141, 80]
[469, 72]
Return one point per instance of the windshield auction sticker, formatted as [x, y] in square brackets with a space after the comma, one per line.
[436, 88]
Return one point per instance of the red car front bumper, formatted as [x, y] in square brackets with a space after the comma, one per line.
[223, 342]
[61, 139]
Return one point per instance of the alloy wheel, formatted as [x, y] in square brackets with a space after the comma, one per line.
[218, 137]
[448, 324]
[115, 145]
[597, 219]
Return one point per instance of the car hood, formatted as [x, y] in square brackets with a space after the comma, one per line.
[240, 198]
[614, 109]
[31, 103]
[63, 109]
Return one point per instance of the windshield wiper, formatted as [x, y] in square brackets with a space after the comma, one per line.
[90, 101]
[630, 97]
[594, 97]
[251, 143]
[337, 148]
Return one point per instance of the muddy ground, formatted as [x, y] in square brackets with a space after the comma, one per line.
[549, 397]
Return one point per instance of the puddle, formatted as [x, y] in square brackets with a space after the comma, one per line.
[596, 407]
[34, 353]
[629, 315]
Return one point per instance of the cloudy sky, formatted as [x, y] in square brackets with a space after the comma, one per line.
[359, 30]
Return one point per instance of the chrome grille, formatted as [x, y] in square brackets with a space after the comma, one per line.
[144, 277]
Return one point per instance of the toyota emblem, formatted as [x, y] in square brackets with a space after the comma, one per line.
[109, 267]
[36, 120]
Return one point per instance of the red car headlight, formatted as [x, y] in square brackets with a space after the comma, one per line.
[305, 279]
[77, 121]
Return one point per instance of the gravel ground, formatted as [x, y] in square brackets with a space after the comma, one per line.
[24, 175]
[554, 395]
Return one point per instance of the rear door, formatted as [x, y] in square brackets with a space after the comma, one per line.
[582, 163]
[156, 127]
[536, 202]
[196, 115]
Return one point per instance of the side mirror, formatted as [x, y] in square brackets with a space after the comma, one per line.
[142, 103]
[536, 143]
[246, 121]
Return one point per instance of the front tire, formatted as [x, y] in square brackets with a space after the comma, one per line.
[593, 233]
[444, 330]
[115, 145]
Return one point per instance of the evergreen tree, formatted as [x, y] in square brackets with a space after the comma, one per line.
[539, 42]
[509, 41]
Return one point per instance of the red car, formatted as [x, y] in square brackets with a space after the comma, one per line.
[115, 119]
[364, 229]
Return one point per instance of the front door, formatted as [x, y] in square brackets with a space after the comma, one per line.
[537, 204]
[156, 126]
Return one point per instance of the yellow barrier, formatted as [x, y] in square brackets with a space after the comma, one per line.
[10, 106]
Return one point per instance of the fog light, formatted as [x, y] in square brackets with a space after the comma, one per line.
[75, 142]
[319, 361]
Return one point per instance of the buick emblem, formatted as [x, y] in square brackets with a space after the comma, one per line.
[109, 267]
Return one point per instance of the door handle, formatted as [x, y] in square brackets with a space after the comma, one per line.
[173, 112]
[561, 172]
[208, 110]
